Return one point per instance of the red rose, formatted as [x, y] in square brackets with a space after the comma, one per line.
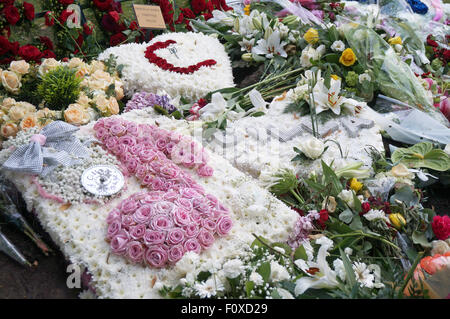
[207, 16]
[431, 42]
[180, 18]
[209, 6]
[6, 61]
[198, 6]
[30, 53]
[133, 26]
[116, 6]
[64, 16]
[224, 6]
[14, 47]
[88, 29]
[103, 5]
[11, 14]
[114, 15]
[446, 55]
[167, 11]
[365, 207]
[110, 24]
[46, 42]
[65, 2]
[49, 21]
[202, 103]
[116, 39]
[7, 2]
[47, 54]
[323, 217]
[441, 227]
[188, 13]
[4, 45]
[28, 10]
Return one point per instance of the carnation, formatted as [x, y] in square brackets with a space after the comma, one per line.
[441, 227]
[233, 268]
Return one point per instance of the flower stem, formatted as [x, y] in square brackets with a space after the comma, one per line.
[297, 196]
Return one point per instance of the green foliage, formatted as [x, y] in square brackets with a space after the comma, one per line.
[287, 181]
[59, 88]
[351, 79]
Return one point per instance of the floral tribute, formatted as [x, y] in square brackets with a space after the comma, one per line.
[177, 216]
[163, 64]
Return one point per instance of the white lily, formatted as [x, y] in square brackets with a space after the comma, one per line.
[421, 175]
[271, 46]
[211, 111]
[247, 45]
[325, 277]
[259, 105]
[222, 18]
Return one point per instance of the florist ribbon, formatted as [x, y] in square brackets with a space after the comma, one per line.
[55, 145]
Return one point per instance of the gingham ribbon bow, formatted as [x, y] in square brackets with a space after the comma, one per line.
[55, 145]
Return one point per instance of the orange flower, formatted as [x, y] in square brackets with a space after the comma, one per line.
[28, 121]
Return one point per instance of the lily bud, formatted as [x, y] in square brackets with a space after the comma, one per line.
[257, 23]
[247, 57]
[397, 221]
[236, 25]
[290, 19]
[268, 33]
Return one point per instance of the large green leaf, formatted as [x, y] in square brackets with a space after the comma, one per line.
[331, 177]
[422, 155]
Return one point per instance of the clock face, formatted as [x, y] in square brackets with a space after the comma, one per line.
[103, 180]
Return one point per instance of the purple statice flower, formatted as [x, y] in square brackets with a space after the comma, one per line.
[142, 100]
[303, 227]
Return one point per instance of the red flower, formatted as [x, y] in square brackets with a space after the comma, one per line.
[188, 13]
[117, 39]
[446, 55]
[109, 22]
[80, 40]
[441, 227]
[28, 10]
[46, 42]
[64, 16]
[167, 11]
[202, 102]
[14, 47]
[431, 42]
[7, 2]
[114, 15]
[65, 2]
[180, 18]
[365, 207]
[6, 61]
[198, 6]
[209, 6]
[47, 54]
[207, 16]
[133, 26]
[30, 53]
[11, 14]
[323, 217]
[103, 5]
[4, 45]
[224, 6]
[49, 21]
[88, 29]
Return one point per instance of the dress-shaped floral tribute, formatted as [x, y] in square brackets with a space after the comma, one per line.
[177, 216]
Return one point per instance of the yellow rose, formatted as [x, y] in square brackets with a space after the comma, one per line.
[82, 71]
[75, 63]
[11, 81]
[397, 220]
[83, 100]
[355, 185]
[8, 103]
[311, 36]
[113, 106]
[20, 67]
[28, 121]
[348, 57]
[96, 65]
[16, 113]
[119, 91]
[9, 129]
[395, 40]
[102, 103]
[76, 114]
[48, 65]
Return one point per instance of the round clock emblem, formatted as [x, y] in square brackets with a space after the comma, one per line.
[102, 180]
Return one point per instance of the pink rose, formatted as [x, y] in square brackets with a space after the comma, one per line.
[119, 242]
[205, 238]
[127, 140]
[113, 229]
[175, 253]
[146, 155]
[154, 237]
[181, 217]
[151, 198]
[164, 207]
[141, 171]
[169, 148]
[224, 225]
[143, 214]
[196, 217]
[192, 244]
[136, 149]
[205, 170]
[200, 204]
[107, 123]
[117, 130]
[161, 222]
[111, 143]
[115, 214]
[138, 231]
[169, 171]
[128, 206]
[101, 133]
[184, 203]
[189, 193]
[135, 252]
[148, 179]
[132, 128]
[99, 124]
[444, 106]
[170, 196]
[209, 224]
[128, 221]
[175, 236]
[191, 230]
[131, 165]
[121, 150]
[158, 184]
[156, 256]
[161, 143]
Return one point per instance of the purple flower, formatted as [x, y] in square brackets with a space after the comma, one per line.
[143, 100]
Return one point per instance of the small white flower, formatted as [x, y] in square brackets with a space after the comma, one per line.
[211, 111]
[364, 77]
[208, 288]
[308, 54]
[233, 268]
[270, 47]
[338, 46]
[375, 214]
[279, 249]
[339, 268]
[348, 251]
[256, 278]
[259, 105]
[278, 272]
[312, 147]
[347, 196]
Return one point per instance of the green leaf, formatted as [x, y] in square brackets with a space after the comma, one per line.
[357, 203]
[264, 271]
[249, 285]
[405, 195]
[204, 275]
[331, 177]
[346, 216]
[300, 253]
[421, 239]
[350, 274]
[356, 223]
[422, 155]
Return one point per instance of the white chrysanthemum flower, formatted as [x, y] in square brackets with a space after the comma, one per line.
[364, 77]
[338, 46]
[278, 272]
[256, 278]
[233, 268]
[375, 214]
[208, 288]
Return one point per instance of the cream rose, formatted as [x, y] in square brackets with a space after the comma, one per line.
[101, 102]
[96, 65]
[401, 171]
[20, 67]
[48, 65]
[9, 129]
[76, 63]
[119, 90]
[16, 113]
[83, 100]
[29, 121]
[312, 147]
[28, 107]
[76, 114]
[113, 106]
[82, 71]
[102, 76]
[8, 103]
[11, 81]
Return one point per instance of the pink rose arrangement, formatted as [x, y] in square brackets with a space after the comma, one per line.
[157, 228]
